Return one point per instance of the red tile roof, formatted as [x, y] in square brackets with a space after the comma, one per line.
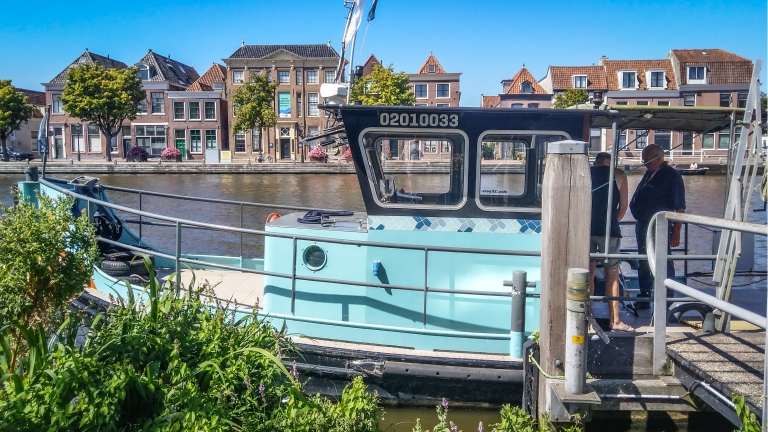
[431, 60]
[722, 66]
[562, 77]
[613, 66]
[34, 98]
[522, 76]
[215, 74]
[491, 101]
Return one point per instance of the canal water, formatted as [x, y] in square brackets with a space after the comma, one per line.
[704, 196]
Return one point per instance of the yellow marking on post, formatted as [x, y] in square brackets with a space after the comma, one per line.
[577, 339]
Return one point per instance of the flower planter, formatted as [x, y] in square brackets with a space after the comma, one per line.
[171, 158]
[317, 159]
[135, 158]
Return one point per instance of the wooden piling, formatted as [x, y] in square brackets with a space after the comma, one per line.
[565, 219]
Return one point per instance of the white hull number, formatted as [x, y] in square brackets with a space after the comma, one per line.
[424, 120]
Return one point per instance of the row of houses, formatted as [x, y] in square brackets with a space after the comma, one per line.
[688, 78]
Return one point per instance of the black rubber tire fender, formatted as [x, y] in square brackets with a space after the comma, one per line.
[135, 280]
[122, 268]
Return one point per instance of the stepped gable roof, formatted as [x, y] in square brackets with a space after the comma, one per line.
[723, 67]
[491, 101]
[613, 66]
[431, 60]
[35, 98]
[170, 70]
[306, 51]
[522, 76]
[89, 58]
[562, 77]
[214, 74]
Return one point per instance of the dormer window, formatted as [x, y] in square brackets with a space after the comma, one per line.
[579, 81]
[628, 80]
[656, 79]
[431, 68]
[697, 75]
[526, 87]
[144, 72]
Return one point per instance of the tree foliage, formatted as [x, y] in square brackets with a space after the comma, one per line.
[254, 103]
[571, 97]
[104, 97]
[15, 110]
[383, 87]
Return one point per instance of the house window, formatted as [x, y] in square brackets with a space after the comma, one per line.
[580, 81]
[150, 138]
[143, 72]
[741, 102]
[689, 99]
[210, 139]
[622, 103]
[443, 90]
[56, 106]
[725, 99]
[442, 105]
[708, 141]
[76, 130]
[94, 139]
[430, 146]
[269, 76]
[285, 132]
[663, 138]
[210, 110]
[158, 105]
[594, 139]
[330, 76]
[312, 77]
[142, 107]
[628, 80]
[533, 105]
[724, 140]
[180, 140]
[312, 102]
[178, 110]
[431, 68]
[420, 90]
[696, 75]
[642, 139]
[237, 77]
[517, 105]
[126, 132]
[194, 110]
[240, 142]
[526, 87]
[195, 141]
[298, 77]
[623, 139]
[284, 77]
[642, 102]
[256, 140]
[298, 104]
[662, 103]
[657, 79]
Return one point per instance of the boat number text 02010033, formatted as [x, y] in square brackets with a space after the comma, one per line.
[405, 119]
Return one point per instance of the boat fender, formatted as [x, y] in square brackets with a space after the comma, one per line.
[273, 216]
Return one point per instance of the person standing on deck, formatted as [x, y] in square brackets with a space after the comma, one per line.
[600, 173]
[661, 189]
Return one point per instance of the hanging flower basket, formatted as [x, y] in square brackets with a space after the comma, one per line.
[136, 154]
[171, 154]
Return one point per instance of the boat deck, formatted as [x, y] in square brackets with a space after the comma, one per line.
[243, 288]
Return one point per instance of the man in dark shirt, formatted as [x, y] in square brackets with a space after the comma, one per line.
[661, 189]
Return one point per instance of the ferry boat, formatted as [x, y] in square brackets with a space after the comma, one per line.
[414, 293]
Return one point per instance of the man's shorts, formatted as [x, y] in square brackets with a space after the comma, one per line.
[597, 244]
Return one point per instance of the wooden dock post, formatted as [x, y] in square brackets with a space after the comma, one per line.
[565, 228]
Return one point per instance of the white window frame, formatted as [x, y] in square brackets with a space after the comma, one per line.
[431, 68]
[299, 77]
[90, 136]
[202, 142]
[649, 75]
[183, 110]
[443, 105]
[421, 104]
[309, 105]
[215, 139]
[214, 111]
[517, 105]
[691, 94]
[325, 76]
[146, 108]
[524, 83]
[235, 79]
[620, 76]
[287, 74]
[536, 105]
[152, 102]
[586, 81]
[56, 101]
[299, 104]
[238, 135]
[316, 75]
[437, 92]
[695, 81]
[426, 91]
[189, 113]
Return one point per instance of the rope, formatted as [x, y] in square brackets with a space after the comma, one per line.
[733, 286]
[317, 216]
[363, 44]
[560, 377]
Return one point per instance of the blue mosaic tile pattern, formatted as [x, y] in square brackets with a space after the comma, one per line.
[420, 223]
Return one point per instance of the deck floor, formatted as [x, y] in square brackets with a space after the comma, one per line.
[229, 286]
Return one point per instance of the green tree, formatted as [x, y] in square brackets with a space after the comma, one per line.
[571, 97]
[383, 87]
[46, 256]
[254, 103]
[104, 97]
[14, 111]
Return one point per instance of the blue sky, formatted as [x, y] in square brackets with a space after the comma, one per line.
[486, 41]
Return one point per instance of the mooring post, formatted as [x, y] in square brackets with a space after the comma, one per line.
[577, 299]
[517, 329]
[565, 220]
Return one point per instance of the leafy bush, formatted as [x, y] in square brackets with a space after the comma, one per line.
[137, 151]
[170, 152]
[46, 256]
[172, 364]
[317, 152]
[748, 419]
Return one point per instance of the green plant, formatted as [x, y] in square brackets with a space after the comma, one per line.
[14, 111]
[748, 419]
[254, 103]
[46, 256]
[571, 97]
[514, 419]
[383, 86]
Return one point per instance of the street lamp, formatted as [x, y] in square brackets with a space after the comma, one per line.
[79, 130]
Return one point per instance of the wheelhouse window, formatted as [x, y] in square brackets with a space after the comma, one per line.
[507, 168]
[379, 147]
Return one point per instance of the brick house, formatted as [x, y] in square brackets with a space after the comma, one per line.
[150, 130]
[299, 70]
[433, 86]
[522, 91]
[199, 121]
[25, 139]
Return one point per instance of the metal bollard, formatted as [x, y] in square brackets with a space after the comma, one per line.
[577, 300]
[31, 174]
[517, 330]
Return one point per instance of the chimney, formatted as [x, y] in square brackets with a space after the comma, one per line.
[329, 41]
[242, 42]
[603, 59]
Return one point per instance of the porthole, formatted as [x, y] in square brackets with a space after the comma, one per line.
[315, 257]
